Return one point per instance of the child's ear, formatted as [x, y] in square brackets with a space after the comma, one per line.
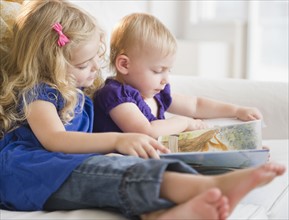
[122, 64]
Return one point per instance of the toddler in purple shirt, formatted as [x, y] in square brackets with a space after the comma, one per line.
[142, 53]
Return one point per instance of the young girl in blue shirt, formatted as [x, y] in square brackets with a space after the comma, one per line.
[51, 160]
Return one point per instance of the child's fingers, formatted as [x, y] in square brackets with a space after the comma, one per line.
[147, 148]
[152, 152]
[158, 146]
[132, 152]
[145, 151]
[252, 117]
[142, 152]
[256, 114]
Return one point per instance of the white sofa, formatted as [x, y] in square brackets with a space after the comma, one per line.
[268, 202]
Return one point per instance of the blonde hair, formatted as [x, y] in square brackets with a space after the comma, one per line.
[35, 57]
[139, 31]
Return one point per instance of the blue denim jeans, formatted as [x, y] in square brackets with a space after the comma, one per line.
[126, 184]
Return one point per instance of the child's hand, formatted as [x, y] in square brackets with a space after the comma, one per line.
[196, 124]
[139, 145]
[248, 114]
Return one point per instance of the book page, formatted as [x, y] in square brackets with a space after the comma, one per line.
[236, 136]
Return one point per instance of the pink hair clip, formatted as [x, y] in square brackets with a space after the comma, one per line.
[62, 40]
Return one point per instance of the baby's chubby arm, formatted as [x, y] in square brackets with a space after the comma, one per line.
[189, 112]
[51, 133]
[129, 118]
[205, 108]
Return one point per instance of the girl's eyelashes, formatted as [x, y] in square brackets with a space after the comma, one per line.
[82, 67]
[87, 63]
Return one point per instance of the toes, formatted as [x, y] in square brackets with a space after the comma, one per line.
[223, 208]
[213, 195]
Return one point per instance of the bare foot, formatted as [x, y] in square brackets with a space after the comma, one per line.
[210, 204]
[235, 185]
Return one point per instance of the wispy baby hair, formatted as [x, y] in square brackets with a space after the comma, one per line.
[140, 31]
[35, 57]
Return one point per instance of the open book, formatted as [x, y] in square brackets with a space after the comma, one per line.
[232, 146]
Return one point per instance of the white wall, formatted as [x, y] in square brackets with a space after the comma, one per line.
[206, 48]
[207, 59]
[193, 58]
[108, 13]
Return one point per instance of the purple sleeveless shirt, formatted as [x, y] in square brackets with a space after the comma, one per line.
[114, 93]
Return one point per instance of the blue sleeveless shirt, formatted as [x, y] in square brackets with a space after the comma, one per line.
[29, 174]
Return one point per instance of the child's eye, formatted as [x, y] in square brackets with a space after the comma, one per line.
[82, 67]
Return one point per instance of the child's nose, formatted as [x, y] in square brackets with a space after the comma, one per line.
[165, 80]
[95, 65]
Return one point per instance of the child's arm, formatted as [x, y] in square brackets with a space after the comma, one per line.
[129, 118]
[48, 128]
[203, 108]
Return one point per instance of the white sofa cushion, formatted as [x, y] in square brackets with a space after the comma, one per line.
[82, 214]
